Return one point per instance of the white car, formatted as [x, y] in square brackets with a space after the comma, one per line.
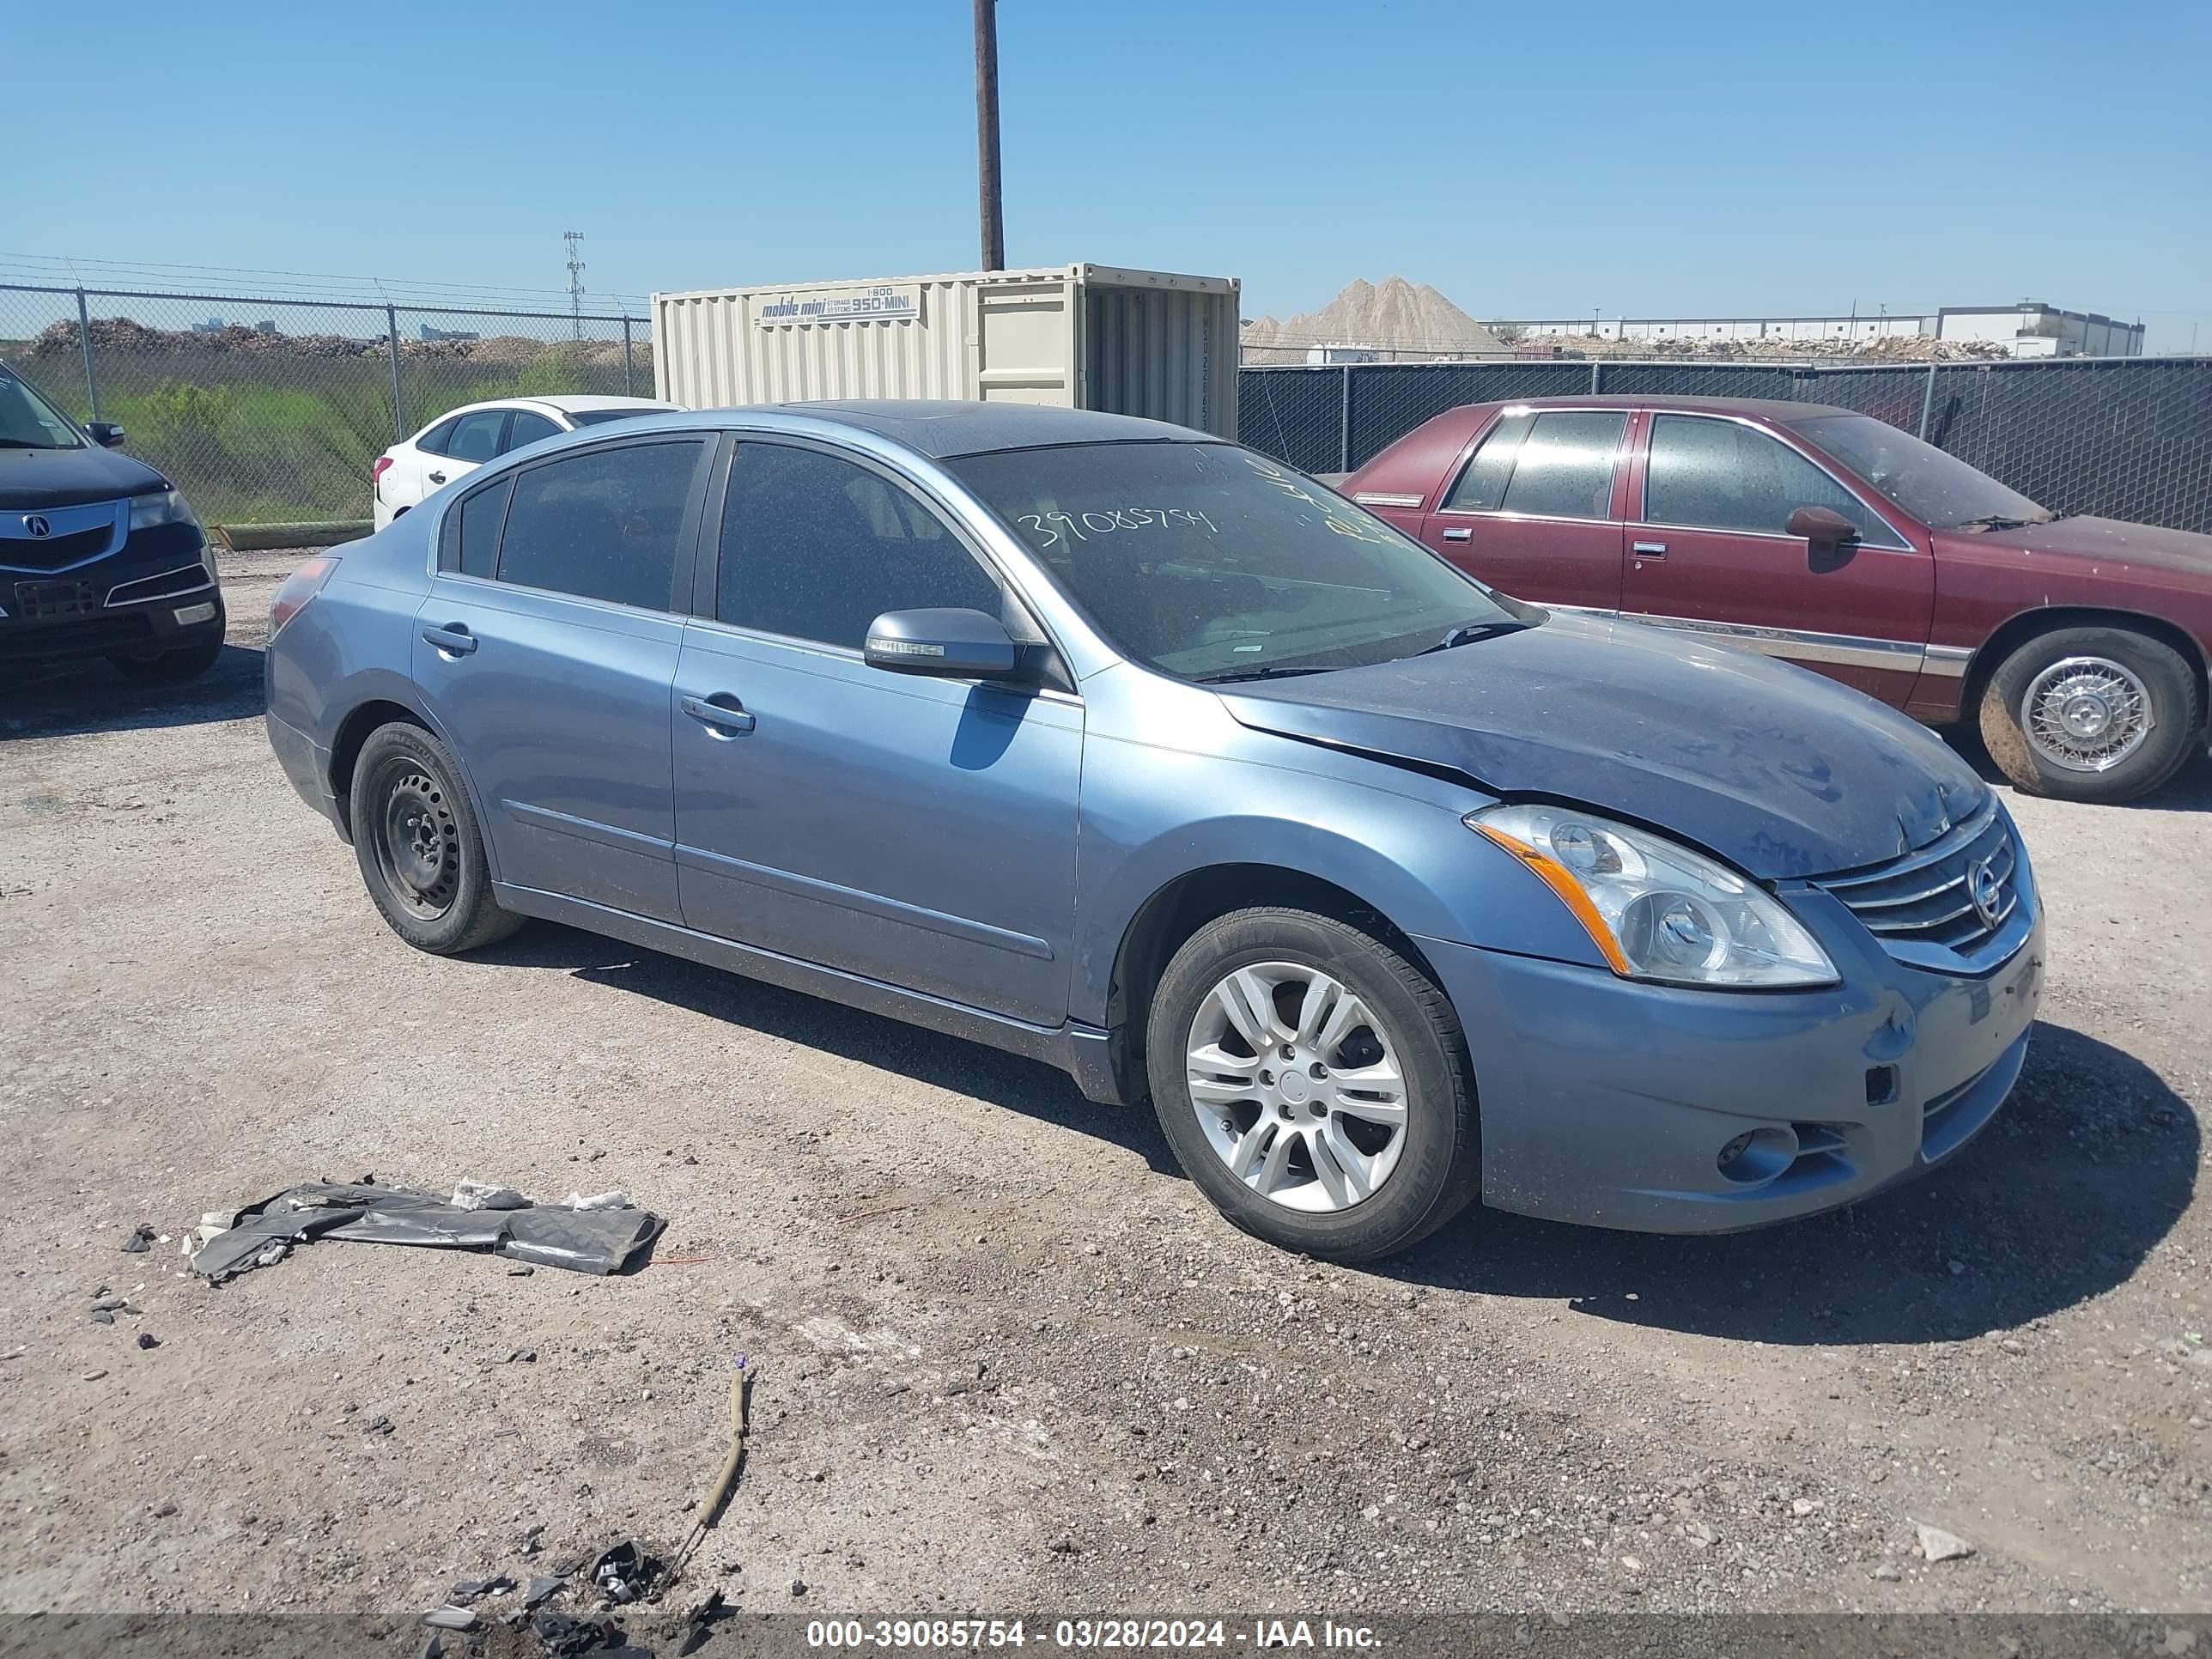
[464, 438]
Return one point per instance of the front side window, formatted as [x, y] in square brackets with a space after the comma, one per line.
[1211, 562]
[29, 422]
[603, 524]
[815, 547]
[1720, 475]
[476, 437]
[1935, 487]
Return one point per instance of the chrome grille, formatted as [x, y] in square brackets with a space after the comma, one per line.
[1956, 902]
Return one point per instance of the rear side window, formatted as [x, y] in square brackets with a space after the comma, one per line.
[604, 524]
[1716, 474]
[1558, 464]
[468, 541]
[435, 441]
[817, 548]
[476, 437]
[1481, 488]
[527, 427]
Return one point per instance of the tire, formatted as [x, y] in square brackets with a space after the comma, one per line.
[418, 845]
[1418, 1174]
[2144, 693]
[173, 667]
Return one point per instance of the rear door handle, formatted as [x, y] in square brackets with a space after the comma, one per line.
[437, 478]
[722, 714]
[1647, 550]
[453, 639]
[1462, 534]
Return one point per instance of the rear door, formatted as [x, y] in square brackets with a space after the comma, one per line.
[527, 426]
[546, 650]
[1531, 510]
[1709, 554]
[476, 438]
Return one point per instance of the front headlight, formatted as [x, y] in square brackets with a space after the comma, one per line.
[162, 506]
[1655, 911]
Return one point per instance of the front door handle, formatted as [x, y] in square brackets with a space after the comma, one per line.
[722, 714]
[454, 639]
[1647, 550]
[437, 478]
[1462, 534]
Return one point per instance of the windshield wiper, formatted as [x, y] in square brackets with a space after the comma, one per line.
[25, 443]
[1996, 521]
[1469, 632]
[1274, 672]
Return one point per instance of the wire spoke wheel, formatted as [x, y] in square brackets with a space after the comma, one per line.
[1297, 1086]
[2086, 713]
[416, 841]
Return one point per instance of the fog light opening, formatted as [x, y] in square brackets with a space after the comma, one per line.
[1881, 1085]
[1757, 1155]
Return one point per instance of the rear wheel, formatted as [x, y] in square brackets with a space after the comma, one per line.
[1314, 1084]
[416, 839]
[2092, 714]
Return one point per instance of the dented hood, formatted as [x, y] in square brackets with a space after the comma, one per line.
[1778, 770]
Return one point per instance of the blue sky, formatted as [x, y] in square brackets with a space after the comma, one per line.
[1706, 160]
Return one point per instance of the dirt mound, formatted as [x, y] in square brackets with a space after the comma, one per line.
[1399, 321]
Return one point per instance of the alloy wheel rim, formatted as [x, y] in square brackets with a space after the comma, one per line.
[2086, 713]
[1297, 1086]
[418, 845]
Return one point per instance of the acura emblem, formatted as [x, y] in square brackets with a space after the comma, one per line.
[1987, 891]
[36, 524]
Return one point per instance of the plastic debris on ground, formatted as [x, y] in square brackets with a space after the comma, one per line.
[141, 1236]
[624, 1572]
[602, 1240]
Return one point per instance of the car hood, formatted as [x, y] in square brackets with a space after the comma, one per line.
[1778, 771]
[2109, 544]
[34, 479]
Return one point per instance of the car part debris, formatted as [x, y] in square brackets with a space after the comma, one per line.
[103, 1316]
[699, 1617]
[147, 1340]
[108, 1303]
[141, 1236]
[565, 1638]
[624, 1572]
[542, 1590]
[588, 1242]
[725, 1478]
[474, 1590]
[450, 1619]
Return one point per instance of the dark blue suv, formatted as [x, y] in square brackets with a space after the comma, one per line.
[99, 555]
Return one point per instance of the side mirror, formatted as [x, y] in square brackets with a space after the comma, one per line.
[944, 643]
[1824, 529]
[105, 434]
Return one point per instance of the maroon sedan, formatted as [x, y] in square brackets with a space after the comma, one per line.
[1838, 542]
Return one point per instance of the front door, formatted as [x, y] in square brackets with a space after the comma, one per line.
[1709, 555]
[1531, 513]
[546, 650]
[920, 832]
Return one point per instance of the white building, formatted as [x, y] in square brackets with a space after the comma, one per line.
[2031, 329]
[1729, 328]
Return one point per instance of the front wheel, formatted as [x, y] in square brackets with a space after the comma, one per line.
[174, 666]
[416, 839]
[2091, 713]
[1314, 1084]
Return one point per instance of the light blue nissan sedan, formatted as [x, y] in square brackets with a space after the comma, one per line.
[1115, 745]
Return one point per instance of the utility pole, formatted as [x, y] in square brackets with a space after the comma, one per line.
[575, 284]
[986, 135]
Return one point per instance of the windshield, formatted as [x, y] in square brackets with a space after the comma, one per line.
[1935, 487]
[594, 417]
[1210, 561]
[29, 422]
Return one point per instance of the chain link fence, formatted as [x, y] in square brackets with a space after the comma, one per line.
[266, 410]
[2119, 437]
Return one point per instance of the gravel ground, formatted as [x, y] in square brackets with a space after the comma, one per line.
[1010, 1360]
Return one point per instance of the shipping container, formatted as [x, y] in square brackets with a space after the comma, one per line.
[1087, 337]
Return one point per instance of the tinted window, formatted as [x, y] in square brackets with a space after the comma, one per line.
[476, 437]
[436, 440]
[595, 416]
[1565, 469]
[817, 548]
[1212, 561]
[1481, 488]
[468, 541]
[527, 427]
[603, 524]
[1716, 474]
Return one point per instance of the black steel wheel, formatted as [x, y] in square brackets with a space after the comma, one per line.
[416, 842]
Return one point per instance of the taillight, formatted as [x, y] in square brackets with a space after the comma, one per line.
[377, 471]
[302, 585]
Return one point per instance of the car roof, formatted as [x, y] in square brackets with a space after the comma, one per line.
[1770, 409]
[577, 403]
[943, 429]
